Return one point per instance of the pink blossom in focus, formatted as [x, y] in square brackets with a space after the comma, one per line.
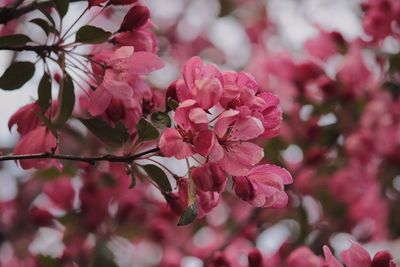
[201, 82]
[191, 134]
[233, 151]
[264, 186]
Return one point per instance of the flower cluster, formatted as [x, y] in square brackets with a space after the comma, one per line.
[219, 116]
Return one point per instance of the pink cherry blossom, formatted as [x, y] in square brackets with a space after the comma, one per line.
[353, 72]
[61, 192]
[26, 118]
[38, 140]
[325, 44]
[264, 186]
[233, 152]
[356, 256]
[191, 134]
[209, 177]
[201, 82]
[122, 77]
[330, 260]
[303, 257]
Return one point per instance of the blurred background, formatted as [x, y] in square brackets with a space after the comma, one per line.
[339, 89]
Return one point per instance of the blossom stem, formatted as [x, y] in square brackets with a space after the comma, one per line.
[88, 159]
[9, 13]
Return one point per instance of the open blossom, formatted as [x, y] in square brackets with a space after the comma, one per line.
[239, 89]
[303, 257]
[201, 82]
[233, 151]
[26, 118]
[122, 78]
[38, 140]
[357, 256]
[264, 186]
[191, 134]
[353, 72]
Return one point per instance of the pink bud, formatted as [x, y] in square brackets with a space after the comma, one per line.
[255, 258]
[40, 216]
[209, 177]
[136, 17]
[57, 77]
[244, 188]
[382, 259]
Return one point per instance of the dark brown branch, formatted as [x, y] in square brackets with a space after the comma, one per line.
[39, 49]
[90, 160]
[8, 13]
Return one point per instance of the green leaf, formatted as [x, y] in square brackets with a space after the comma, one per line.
[189, 215]
[103, 257]
[44, 92]
[16, 75]
[61, 6]
[46, 13]
[111, 136]
[66, 100]
[122, 132]
[92, 35]
[161, 119]
[172, 104]
[158, 176]
[43, 24]
[47, 122]
[146, 131]
[47, 261]
[14, 40]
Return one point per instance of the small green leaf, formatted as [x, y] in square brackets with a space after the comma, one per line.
[158, 176]
[122, 132]
[189, 215]
[172, 104]
[146, 131]
[47, 122]
[16, 75]
[66, 100]
[92, 35]
[103, 256]
[46, 13]
[44, 92]
[111, 136]
[14, 40]
[44, 25]
[160, 120]
[61, 6]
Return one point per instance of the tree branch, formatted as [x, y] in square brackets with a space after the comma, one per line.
[9, 13]
[90, 160]
[39, 49]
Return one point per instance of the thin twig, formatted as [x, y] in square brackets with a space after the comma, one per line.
[9, 13]
[88, 159]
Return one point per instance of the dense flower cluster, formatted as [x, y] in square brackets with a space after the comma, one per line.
[119, 159]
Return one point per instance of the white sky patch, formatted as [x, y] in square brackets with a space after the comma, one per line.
[48, 242]
[191, 262]
[292, 154]
[228, 35]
